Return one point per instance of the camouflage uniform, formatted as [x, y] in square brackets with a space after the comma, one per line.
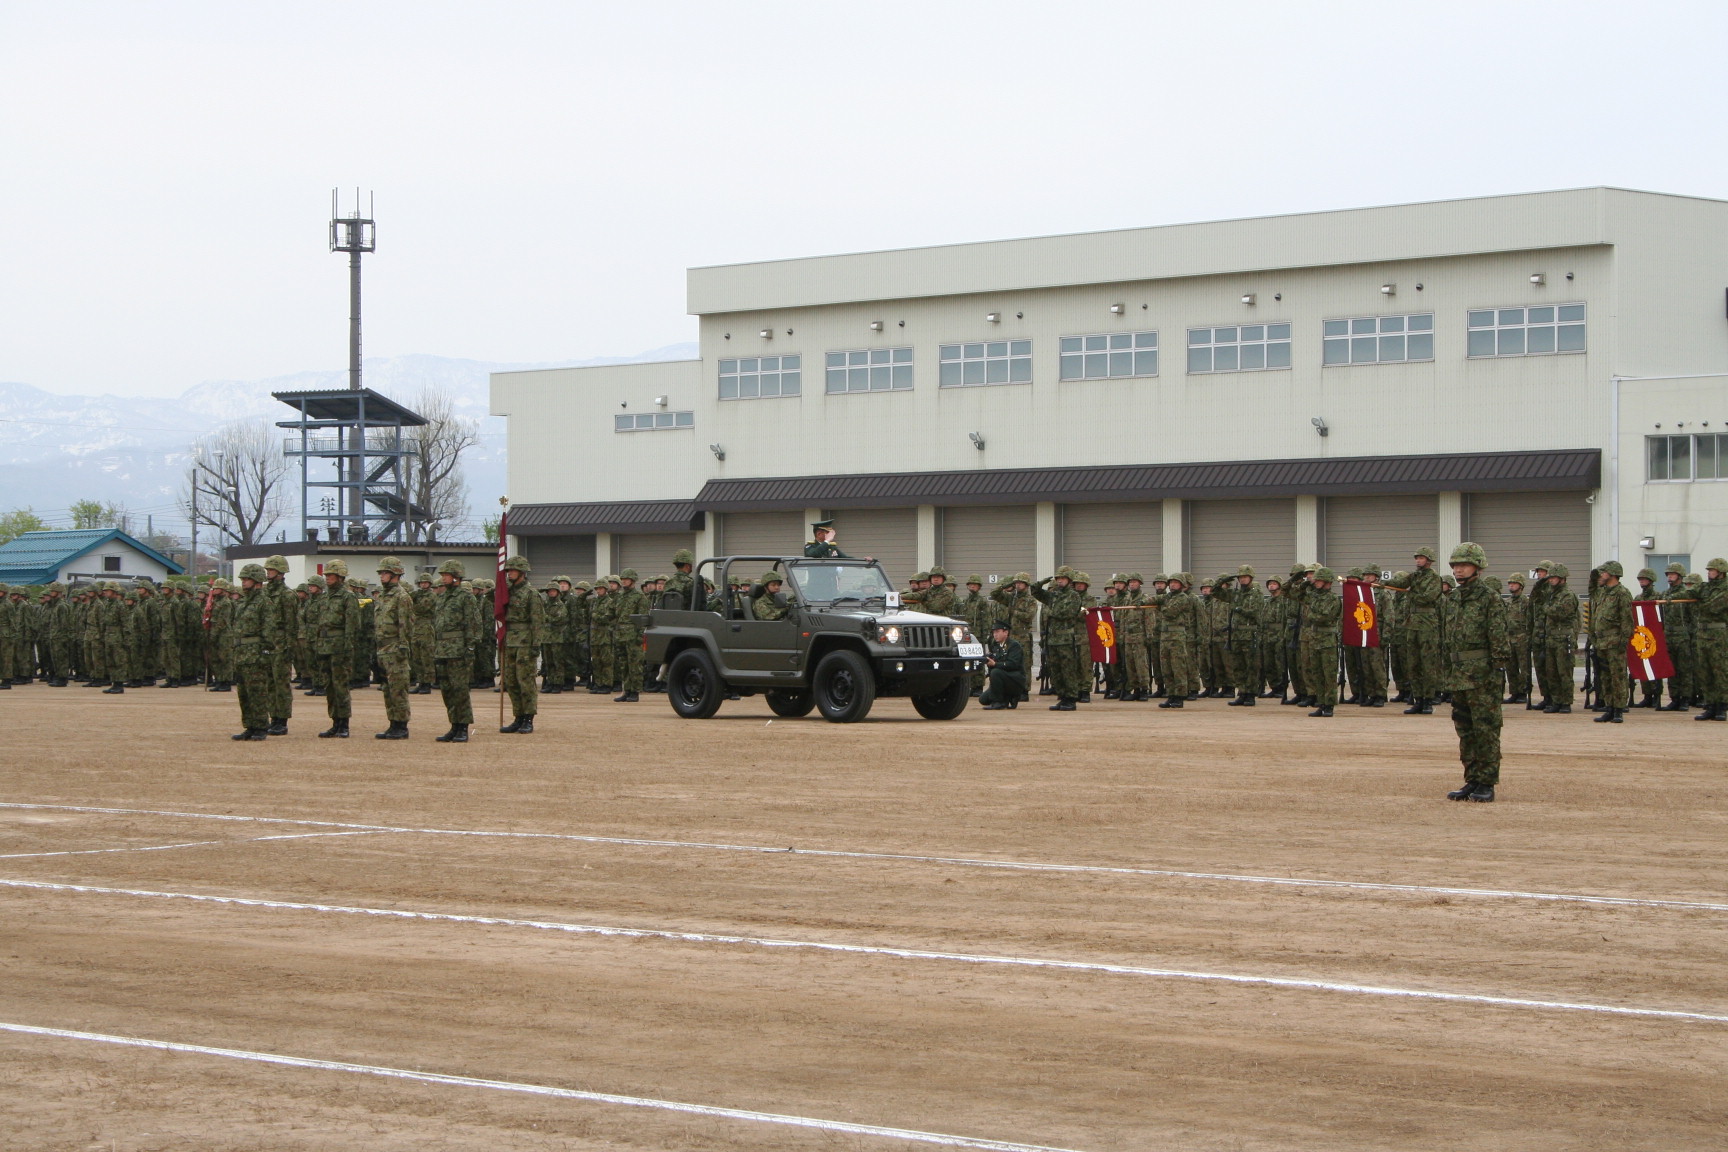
[1015, 603]
[1274, 659]
[281, 693]
[1247, 604]
[333, 644]
[1649, 691]
[1322, 616]
[601, 616]
[1477, 652]
[1065, 619]
[524, 632]
[1296, 591]
[485, 671]
[1679, 628]
[557, 627]
[258, 637]
[627, 654]
[1711, 616]
[1518, 637]
[1131, 629]
[421, 669]
[1423, 633]
[1179, 626]
[456, 631]
[1611, 624]
[393, 624]
[219, 637]
[1560, 621]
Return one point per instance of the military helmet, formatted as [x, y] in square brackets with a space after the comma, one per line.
[562, 580]
[1371, 570]
[917, 576]
[518, 564]
[252, 572]
[279, 563]
[485, 585]
[1428, 553]
[1161, 577]
[1612, 568]
[56, 586]
[975, 578]
[1400, 579]
[1245, 570]
[1325, 574]
[1469, 553]
[336, 568]
[1647, 574]
[1718, 563]
[628, 574]
[1065, 570]
[391, 564]
[423, 578]
[1694, 580]
[1354, 574]
[1558, 570]
[683, 556]
[1081, 578]
[1544, 566]
[939, 571]
[1676, 569]
[221, 585]
[1518, 578]
[1298, 569]
[612, 579]
[771, 577]
[1023, 576]
[1133, 576]
[452, 568]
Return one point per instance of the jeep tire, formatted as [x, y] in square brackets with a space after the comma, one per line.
[790, 702]
[843, 687]
[946, 704]
[693, 685]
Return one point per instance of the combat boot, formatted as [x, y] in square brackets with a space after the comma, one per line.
[112, 690]
[626, 698]
[315, 692]
[1673, 706]
[279, 726]
[396, 731]
[1518, 698]
[1462, 792]
[1482, 793]
[1609, 716]
[458, 734]
[1419, 708]
[249, 734]
[338, 730]
[1377, 702]
[527, 726]
[1712, 712]
[514, 726]
[1172, 702]
[1323, 710]
[1562, 709]
[1063, 704]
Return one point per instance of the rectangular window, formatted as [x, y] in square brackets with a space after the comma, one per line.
[1109, 356]
[1660, 561]
[1378, 339]
[110, 563]
[874, 370]
[1537, 331]
[754, 377]
[1242, 348]
[653, 421]
[987, 362]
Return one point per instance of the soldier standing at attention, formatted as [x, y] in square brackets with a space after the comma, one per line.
[281, 692]
[1374, 668]
[1421, 633]
[600, 617]
[1611, 625]
[1065, 616]
[1005, 662]
[486, 654]
[1479, 651]
[1677, 626]
[1131, 628]
[1179, 625]
[257, 637]
[1518, 636]
[393, 626]
[1650, 691]
[455, 632]
[420, 651]
[1711, 617]
[1247, 606]
[1322, 616]
[333, 644]
[1560, 616]
[1539, 592]
[524, 632]
[552, 652]
[1296, 590]
[219, 636]
[627, 636]
[1273, 676]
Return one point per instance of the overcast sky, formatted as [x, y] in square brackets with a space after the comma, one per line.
[545, 172]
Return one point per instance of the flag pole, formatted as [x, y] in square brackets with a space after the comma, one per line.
[501, 595]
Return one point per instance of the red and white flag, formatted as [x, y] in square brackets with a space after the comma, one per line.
[1101, 631]
[1361, 616]
[501, 587]
[1647, 651]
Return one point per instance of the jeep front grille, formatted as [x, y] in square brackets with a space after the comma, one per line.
[926, 635]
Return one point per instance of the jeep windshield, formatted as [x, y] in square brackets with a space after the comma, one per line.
[841, 583]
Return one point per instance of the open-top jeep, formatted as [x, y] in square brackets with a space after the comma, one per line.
[843, 641]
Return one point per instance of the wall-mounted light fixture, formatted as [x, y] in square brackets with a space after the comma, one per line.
[719, 452]
[1247, 297]
[1117, 309]
[766, 333]
[1538, 278]
[1320, 426]
[1388, 289]
[977, 440]
[660, 400]
[1648, 543]
[875, 325]
[992, 317]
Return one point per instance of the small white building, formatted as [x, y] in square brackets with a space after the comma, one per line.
[81, 554]
[1546, 374]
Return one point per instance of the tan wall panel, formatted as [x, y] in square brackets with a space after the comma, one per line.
[989, 541]
[651, 554]
[763, 534]
[1383, 530]
[888, 535]
[1223, 534]
[550, 556]
[1100, 539]
[1517, 529]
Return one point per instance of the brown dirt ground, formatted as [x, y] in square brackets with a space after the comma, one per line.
[1094, 1061]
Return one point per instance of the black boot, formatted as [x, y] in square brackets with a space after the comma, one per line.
[626, 698]
[1420, 708]
[1063, 704]
[527, 726]
[514, 726]
[249, 734]
[111, 690]
[1173, 702]
[1323, 710]
[279, 726]
[1482, 794]
[396, 731]
[1609, 716]
[1562, 709]
[458, 734]
[338, 730]
[1711, 712]
[1462, 792]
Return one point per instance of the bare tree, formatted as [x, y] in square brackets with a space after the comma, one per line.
[238, 481]
[436, 483]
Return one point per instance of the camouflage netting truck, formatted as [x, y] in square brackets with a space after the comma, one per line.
[841, 640]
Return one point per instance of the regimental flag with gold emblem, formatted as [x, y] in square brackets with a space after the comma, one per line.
[1647, 651]
[1361, 615]
[1101, 631]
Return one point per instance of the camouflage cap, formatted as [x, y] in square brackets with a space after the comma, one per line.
[1613, 568]
[1325, 575]
[938, 571]
[252, 572]
[1427, 553]
[518, 564]
[336, 568]
[1647, 574]
[771, 578]
[279, 563]
[1245, 570]
[683, 556]
[1676, 569]
[1717, 563]
[628, 574]
[391, 564]
[1470, 553]
[452, 568]
[975, 578]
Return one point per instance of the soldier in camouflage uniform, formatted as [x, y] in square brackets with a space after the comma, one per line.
[58, 617]
[1016, 604]
[1322, 619]
[627, 636]
[524, 632]
[420, 647]
[1247, 606]
[1560, 616]
[1710, 615]
[258, 636]
[1065, 617]
[8, 638]
[333, 643]
[601, 617]
[1274, 667]
[485, 670]
[1677, 627]
[1477, 653]
[219, 636]
[393, 623]
[1539, 592]
[1131, 629]
[1611, 625]
[1650, 691]
[1179, 627]
[1296, 590]
[1518, 637]
[572, 619]
[456, 629]
[281, 694]
[1422, 631]
[552, 652]
[1214, 620]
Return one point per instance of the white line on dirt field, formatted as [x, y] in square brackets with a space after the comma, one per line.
[908, 858]
[187, 844]
[937, 1138]
[880, 950]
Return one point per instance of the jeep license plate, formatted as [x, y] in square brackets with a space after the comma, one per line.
[972, 650]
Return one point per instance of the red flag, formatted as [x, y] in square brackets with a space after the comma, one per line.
[1101, 630]
[500, 586]
[1361, 615]
[1647, 651]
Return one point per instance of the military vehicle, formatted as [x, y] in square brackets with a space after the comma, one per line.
[844, 640]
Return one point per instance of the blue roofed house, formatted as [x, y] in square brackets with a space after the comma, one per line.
[87, 554]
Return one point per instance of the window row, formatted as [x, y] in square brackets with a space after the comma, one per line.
[1697, 457]
[653, 421]
[1529, 331]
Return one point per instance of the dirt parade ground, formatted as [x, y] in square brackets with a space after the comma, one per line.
[1119, 930]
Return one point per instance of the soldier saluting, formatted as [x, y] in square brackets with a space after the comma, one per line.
[823, 546]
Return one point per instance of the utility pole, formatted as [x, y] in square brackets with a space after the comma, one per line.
[356, 235]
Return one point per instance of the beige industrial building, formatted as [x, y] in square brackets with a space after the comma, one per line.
[1546, 374]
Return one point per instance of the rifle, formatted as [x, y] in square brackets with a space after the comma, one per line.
[1590, 682]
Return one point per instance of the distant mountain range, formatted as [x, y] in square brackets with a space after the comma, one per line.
[133, 451]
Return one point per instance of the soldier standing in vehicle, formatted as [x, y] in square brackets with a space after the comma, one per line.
[524, 632]
[456, 630]
[822, 547]
[393, 628]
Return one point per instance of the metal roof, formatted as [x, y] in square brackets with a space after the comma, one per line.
[344, 404]
[1563, 470]
[35, 557]
[623, 516]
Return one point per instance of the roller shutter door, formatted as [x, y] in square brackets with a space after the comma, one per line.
[1100, 539]
[1383, 530]
[1224, 534]
[989, 541]
[763, 534]
[888, 534]
[1519, 528]
[551, 556]
[651, 554]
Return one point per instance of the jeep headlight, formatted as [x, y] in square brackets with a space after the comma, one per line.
[958, 634]
[888, 634]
